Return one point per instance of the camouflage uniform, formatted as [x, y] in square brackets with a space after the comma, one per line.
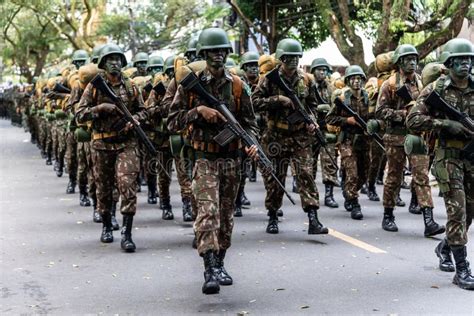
[454, 173]
[284, 143]
[115, 155]
[216, 170]
[354, 145]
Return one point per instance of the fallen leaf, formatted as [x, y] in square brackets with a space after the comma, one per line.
[279, 289]
[435, 287]
[304, 307]
[242, 313]
[114, 275]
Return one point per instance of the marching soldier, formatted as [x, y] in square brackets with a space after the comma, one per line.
[285, 142]
[116, 148]
[353, 142]
[216, 169]
[454, 158]
[140, 62]
[320, 69]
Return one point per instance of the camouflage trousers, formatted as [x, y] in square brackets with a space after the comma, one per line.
[396, 159]
[71, 155]
[302, 161]
[215, 184]
[329, 172]
[54, 139]
[355, 162]
[61, 142]
[49, 138]
[420, 181]
[42, 133]
[164, 181]
[456, 181]
[85, 167]
[119, 167]
[376, 157]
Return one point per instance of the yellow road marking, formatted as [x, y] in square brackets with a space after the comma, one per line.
[355, 242]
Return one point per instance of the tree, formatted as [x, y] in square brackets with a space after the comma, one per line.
[387, 22]
[30, 40]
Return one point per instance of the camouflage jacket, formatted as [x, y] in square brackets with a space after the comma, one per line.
[392, 109]
[183, 113]
[265, 101]
[423, 116]
[324, 89]
[338, 117]
[107, 123]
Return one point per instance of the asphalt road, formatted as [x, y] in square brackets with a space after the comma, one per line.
[52, 261]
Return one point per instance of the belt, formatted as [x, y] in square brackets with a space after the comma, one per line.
[214, 148]
[396, 130]
[96, 136]
[451, 143]
[284, 126]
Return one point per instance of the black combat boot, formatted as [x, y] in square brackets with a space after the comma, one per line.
[363, 190]
[56, 165]
[60, 170]
[272, 227]
[315, 226]
[211, 282]
[443, 251]
[222, 275]
[379, 180]
[127, 243]
[238, 211]
[49, 160]
[243, 199]
[115, 224]
[295, 188]
[431, 227]
[372, 193]
[152, 191]
[280, 213]
[83, 196]
[96, 217]
[463, 277]
[71, 186]
[107, 235]
[329, 196]
[414, 208]
[388, 221]
[253, 173]
[167, 209]
[354, 207]
[194, 244]
[399, 202]
[187, 209]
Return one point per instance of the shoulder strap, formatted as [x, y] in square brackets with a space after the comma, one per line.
[237, 90]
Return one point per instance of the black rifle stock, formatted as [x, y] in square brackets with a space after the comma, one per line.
[437, 102]
[300, 113]
[99, 83]
[359, 120]
[232, 128]
[160, 89]
[403, 93]
[59, 88]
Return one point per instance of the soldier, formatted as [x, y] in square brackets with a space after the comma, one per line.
[454, 159]
[249, 65]
[116, 148]
[215, 174]
[140, 62]
[285, 142]
[321, 70]
[353, 143]
[392, 109]
[79, 59]
[154, 65]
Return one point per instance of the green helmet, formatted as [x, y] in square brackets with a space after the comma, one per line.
[319, 62]
[96, 53]
[404, 50]
[456, 47]
[80, 55]
[212, 38]
[373, 126]
[353, 70]
[140, 57]
[155, 61]
[169, 63]
[110, 49]
[230, 63]
[249, 57]
[191, 45]
[288, 46]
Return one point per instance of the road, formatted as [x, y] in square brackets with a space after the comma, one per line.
[52, 261]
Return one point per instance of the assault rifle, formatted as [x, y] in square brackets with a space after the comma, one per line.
[359, 120]
[60, 88]
[232, 128]
[159, 88]
[99, 83]
[300, 114]
[404, 93]
[437, 102]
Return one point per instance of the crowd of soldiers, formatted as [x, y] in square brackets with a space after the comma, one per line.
[114, 125]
